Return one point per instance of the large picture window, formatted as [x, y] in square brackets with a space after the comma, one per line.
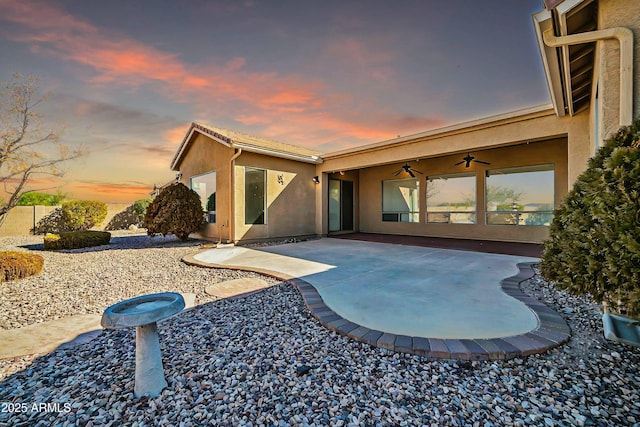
[520, 196]
[255, 190]
[451, 199]
[205, 186]
[400, 202]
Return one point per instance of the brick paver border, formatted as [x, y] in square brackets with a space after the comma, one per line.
[551, 332]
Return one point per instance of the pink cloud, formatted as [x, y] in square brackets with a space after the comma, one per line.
[370, 58]
[175, 134]
[299, 106]
[110, 192]
[235, 64]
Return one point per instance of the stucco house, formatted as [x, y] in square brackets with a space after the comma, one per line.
[497, 178]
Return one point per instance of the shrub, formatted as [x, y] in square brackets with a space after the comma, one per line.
[594, 243]
[122, 220]
[17, 265]
[41, 199]
[76, 239]
[52, 223]
[140, 207]
[176, 210]
[83, 214]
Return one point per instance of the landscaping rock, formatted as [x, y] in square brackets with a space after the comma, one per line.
[235, 361]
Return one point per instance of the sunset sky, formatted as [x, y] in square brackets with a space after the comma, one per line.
[128, 77]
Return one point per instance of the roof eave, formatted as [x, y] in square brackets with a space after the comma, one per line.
[228, 142]
[276, 153]
[540, 110]
[543, 21]
[195, 127]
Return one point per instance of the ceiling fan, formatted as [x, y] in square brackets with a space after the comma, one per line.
[468, 159]
[408, 169]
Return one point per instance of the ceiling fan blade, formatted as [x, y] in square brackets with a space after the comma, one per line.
[411, 173]
[396, 173]
[459, 163]
[417, 171]
[484, 163]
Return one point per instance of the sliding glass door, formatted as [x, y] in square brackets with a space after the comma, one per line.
[340, 205]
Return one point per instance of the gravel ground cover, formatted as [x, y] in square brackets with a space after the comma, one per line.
[263, 360]
[86, 281]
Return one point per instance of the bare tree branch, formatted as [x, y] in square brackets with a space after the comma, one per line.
[25, 150]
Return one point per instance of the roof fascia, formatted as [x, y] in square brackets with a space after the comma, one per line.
[543, 21]
[562, 10]
[186, 141]
[460, 128]
[277, 153]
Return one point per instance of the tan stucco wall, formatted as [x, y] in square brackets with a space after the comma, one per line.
[554, 151]
[206, 155]
[534, 127]
[445, 147]
[21, 220]
[290, 204]
[618, 13]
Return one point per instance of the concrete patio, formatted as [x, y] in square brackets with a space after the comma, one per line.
[438, 298]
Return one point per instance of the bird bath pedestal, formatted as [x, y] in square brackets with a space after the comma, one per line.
[142, 313]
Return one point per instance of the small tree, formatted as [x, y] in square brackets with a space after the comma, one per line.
[176, 210]
[594, 243]
[140, 207]
[83, 214]
[33, 198]
[25, 149]
[501, 195]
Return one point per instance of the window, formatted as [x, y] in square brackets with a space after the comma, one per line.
[400, 200]
[254, 195]
[451, 199]
[205, 186]
[520, 196]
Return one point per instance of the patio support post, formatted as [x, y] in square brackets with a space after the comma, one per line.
[232, 210]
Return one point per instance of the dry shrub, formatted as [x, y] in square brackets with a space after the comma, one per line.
[76, 239]
[17, 265]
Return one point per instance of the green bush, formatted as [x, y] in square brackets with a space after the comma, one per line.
[17, 265]
[76, 239]
[176, 210]
[41, 199]
[140, 207]
[594, 243]
[83, 214]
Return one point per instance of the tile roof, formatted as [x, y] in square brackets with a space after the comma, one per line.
[244, 141]
[231, 136]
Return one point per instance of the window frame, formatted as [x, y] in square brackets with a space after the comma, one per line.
[447, 176]
[396, 215]
[518, 220]
[208, 215]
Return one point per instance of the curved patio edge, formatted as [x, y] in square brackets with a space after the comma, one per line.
[552, 330]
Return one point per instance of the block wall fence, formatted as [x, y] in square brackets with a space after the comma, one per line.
[22, 219]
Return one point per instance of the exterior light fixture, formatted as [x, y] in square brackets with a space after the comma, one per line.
[178, 176]
[316, 180]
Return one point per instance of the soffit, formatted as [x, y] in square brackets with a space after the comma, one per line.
[575, 17]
